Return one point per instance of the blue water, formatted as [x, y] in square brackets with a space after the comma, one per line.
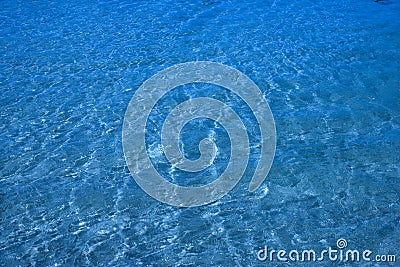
[68, 69]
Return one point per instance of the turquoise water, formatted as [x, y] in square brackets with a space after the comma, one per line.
[328, 69]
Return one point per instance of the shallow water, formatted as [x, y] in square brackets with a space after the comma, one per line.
[328, 69]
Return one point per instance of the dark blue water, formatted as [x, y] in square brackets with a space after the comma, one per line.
[328, 69]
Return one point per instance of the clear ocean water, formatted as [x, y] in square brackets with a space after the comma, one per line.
[68, 69]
